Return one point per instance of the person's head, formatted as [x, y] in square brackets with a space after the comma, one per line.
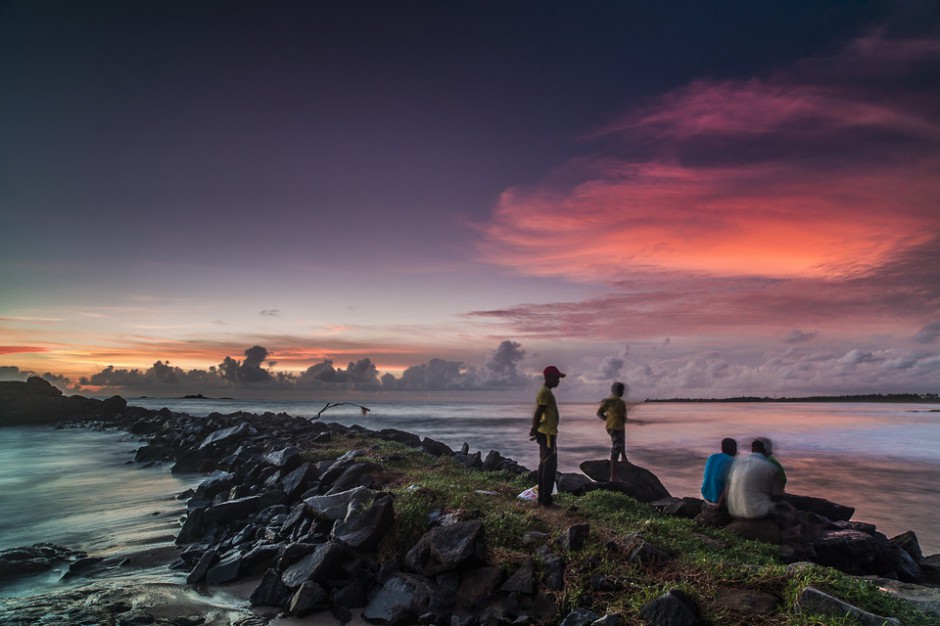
[762, 445]
[552, 376]
[729, 446]
[618, 389]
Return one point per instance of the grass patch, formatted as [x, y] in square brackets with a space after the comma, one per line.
[599, 578]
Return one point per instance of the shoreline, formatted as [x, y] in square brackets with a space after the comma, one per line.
[269, 430]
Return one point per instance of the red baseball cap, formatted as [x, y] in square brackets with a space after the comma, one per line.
[552, 370]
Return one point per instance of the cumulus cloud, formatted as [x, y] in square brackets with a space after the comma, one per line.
[270, 313]
[11, 372]
[501, 370]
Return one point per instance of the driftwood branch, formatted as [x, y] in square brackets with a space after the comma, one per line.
[329, 405]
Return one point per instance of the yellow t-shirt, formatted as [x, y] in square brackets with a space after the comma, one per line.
[549, 422]
[615, 410]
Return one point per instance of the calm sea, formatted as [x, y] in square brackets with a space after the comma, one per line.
[78, 487]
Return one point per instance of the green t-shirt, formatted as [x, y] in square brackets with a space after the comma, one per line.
[615, 411]
[549, 422]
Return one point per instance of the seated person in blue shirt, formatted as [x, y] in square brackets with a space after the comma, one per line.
[716, 471]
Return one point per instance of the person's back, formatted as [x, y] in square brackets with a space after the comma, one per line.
[717, 467]
[751, 484]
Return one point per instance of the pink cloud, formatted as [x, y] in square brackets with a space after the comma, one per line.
[775, 201]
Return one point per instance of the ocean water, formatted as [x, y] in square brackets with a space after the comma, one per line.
[79, 488]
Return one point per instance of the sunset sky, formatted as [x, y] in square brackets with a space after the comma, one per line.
[699, 199]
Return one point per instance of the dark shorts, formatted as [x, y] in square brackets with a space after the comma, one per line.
[618, 441]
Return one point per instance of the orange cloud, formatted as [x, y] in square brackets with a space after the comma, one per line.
[21, 349]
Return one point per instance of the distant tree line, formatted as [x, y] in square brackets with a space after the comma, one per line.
[869, 397]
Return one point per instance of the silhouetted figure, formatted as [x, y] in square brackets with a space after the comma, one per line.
[613, 410]
[545, 431]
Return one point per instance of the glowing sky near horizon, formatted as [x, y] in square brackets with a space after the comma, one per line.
[700, 202]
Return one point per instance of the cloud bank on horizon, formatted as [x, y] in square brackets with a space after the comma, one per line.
[758, 232]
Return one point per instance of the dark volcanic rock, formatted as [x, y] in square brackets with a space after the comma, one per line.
[446, 548]
[680, 507]
[270, 591]
[813, 600]
[401, 600]
[853, 551]
[635, 481]
[820, 506]
[34, 558]
[365, 529]
[674, 608]
[317, 566]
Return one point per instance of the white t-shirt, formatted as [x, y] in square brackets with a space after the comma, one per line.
[751, 482]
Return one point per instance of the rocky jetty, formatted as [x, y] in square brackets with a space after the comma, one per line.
[308, 535]
[37, 401]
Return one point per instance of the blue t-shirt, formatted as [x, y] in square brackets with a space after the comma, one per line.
[716, 475]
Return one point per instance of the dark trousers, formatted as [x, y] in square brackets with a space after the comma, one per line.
[548, 466]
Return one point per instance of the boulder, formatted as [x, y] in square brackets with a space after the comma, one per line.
[812, 601]
[573, 538]
[356, 475]
[909, 543]
[198, 574]
[572, 483]
[681, 507]
[401, 600]
[233, 433]
[228, 568]
[641, 552]
[522, 580]
[553, 573]
[477, 587]
[820, 506]
[318, 566]
[286, 458]
[241, 507]
[298, 480]
[393, 434]
[335, 506]
[674, 608]
[925, 599]
[447, 548]
[579, 617]
[35, 558]
[366, 529]
[308, 598]
[854, 552]
[271, 591]
[633, 480]
[436, 448]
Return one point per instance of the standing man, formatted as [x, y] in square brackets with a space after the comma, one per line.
[545, 431]
[613, 411]
[717, 467]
